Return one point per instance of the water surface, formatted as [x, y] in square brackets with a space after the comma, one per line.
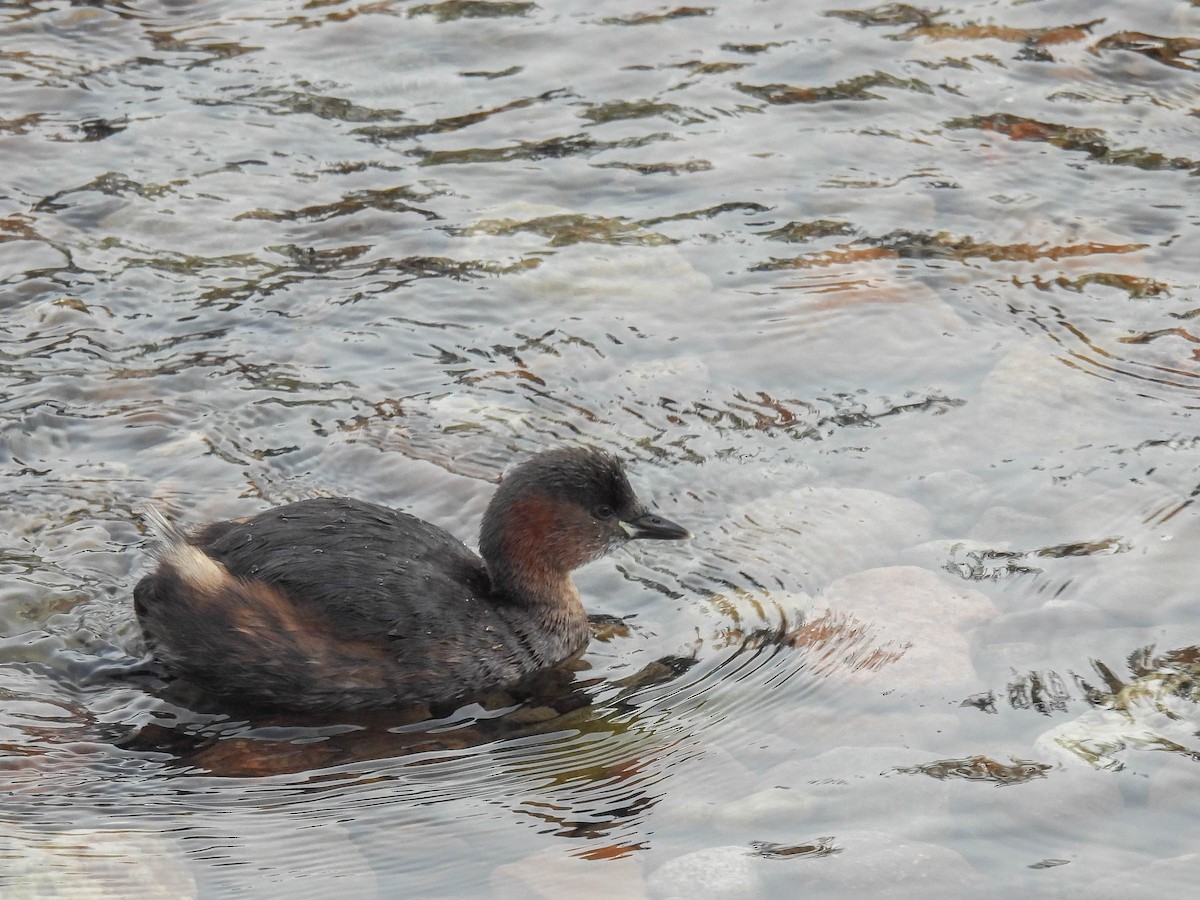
[893, 306]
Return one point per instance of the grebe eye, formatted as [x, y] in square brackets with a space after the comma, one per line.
[604, 511]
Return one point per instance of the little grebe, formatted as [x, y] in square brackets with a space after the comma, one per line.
[340, 604]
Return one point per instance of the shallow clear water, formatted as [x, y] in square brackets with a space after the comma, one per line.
[893, 307]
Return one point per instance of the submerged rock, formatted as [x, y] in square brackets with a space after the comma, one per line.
[925, 617]
[551, 874]
[1156, 710]
[878, 865]
[98, 865]
[715, 873]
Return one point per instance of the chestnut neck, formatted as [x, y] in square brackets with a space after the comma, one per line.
[522, 546]
[522, 543]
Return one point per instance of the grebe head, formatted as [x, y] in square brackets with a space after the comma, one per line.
[559, 510]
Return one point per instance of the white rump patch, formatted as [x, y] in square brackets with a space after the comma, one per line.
[192, 564]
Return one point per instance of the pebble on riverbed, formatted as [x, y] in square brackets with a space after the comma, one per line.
[98, 865]
[926, 613]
